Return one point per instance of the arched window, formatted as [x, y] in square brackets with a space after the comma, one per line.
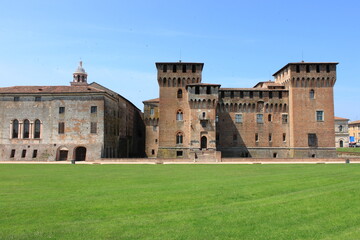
[179, 138]
[37, 129]
[26, 132]
[340, 128]
[312, 94]
[179, 93]
[179, 115]
[15, 129]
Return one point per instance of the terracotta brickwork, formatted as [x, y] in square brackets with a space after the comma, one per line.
[292, 116]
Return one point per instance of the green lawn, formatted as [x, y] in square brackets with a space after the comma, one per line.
[352, 150]
[315, 201]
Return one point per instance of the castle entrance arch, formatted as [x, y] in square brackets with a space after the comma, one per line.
[62, 154]
[80, 154]
[203, 142]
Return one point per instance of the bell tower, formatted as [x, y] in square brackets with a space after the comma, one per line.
[79, 76]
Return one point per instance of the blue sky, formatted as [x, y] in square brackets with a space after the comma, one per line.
[240, 42]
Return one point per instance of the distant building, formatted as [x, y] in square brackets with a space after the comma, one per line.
[82, 122]
[354, 130]
[341, 132]
[292, 117]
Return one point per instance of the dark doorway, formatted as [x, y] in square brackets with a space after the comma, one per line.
[203, 142]
[63, 155]
[341, 143]
[80, 154]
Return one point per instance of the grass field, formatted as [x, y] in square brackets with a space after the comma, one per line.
[352, 150]
[180, 201]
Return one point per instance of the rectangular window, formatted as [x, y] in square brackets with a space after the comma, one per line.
[284, 118]
[241, 94]
[327, 68]
[312, 140]
[16, 99]
[270, 137]
[12, 154]
[93, 109]
[151, 111]
[165, 68]
[61, 110]
[217, 118]
[251, 94]
[184, 68]
[259, 118]
[284, 137]
[34, 153]
[256, 137]
[270, 95]
[297, 68]
[23, 153]
[179, 153]
[93, 127]
[320, 116]
[317, 68]
[280, 95]
[37, 99]
[153, 152]
[154, 128]
[61, 128]
[238, 118]
[307, 68]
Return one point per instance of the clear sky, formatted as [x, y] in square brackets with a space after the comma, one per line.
[240, 42]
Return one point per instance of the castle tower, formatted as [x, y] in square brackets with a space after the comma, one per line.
[79, 76]
[174, 111]
[311, 107]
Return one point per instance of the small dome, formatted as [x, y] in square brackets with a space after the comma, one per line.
[80, 69]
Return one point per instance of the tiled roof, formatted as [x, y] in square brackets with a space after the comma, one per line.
[354, 122]
[340, 118]
[49, 89]
[203, 84]
[251, 89]
[152, 100]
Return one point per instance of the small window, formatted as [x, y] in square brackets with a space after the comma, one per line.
[234, 137]
[12, 154]
[152, 152]
[61, 128]
[164, 68]
[284, 118]
[260, 94]
[259, 118]
[179, 153]
[15, 129]
[34, 153]
[312, 140]
[269, 118]
[232, 94]
[37, 99]
[154, 128]
[241, 94]
[280, 95]
[256, 137]
[320, 116]
[274, 155]
[26, 129]
[340, 128]
[217, 136]
[193, 68]
[61, 110]
[203, 115]
[284, 137]
[328, 68]
[197, 90]
[174, 68]
[23, 153]
[179, 115]
[179, 93]
[151, 111]
[270, 137]
[217, 118]
[93, 109]
[307, 68]
[16, 99]
[93, 127]
[312, 94]
[203, 124]
[297, 68]
[251, 94]
[208, 90]
[317, 68]
[270, 95]
[238, 118]
[184, 68]
[179, 138]
[156, 140]
[37, 128]
[222, 94]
